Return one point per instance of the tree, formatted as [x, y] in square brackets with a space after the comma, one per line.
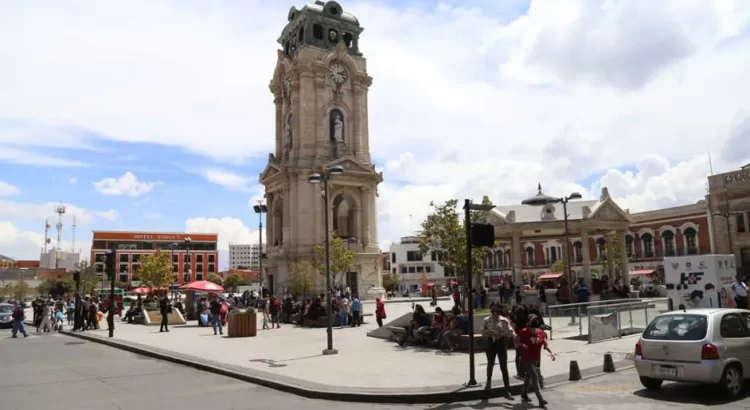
[557, 267]
[232, 282]
[56, 287]
[156, 269]
[341, 259]
[215, 279]
[391, 280]
[88, 279]
[443, 232]
[21, 289]
[302, 280]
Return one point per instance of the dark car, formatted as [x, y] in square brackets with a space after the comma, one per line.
[6, 315]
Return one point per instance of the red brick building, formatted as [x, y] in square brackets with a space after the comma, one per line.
[194, 255]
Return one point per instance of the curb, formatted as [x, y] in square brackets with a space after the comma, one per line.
[427, 395]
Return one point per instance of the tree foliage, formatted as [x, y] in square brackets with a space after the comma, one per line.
[156, 270]
[391, 280]
[56, 287]
[341, 259]
[443, 231]
[89, 281]
[557, 267]
[215, 279]
[302, 280]
[232, 282]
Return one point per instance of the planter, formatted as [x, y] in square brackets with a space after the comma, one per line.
[242, 323]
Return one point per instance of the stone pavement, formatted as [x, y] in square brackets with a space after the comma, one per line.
[292, 357]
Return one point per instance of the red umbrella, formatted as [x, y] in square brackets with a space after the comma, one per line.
[141, 291]
[202, 286]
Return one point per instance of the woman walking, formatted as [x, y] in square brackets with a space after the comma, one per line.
[498, 330]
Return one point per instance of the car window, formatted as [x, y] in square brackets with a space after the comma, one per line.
[6, 309]
[732, 326]
[677, 327]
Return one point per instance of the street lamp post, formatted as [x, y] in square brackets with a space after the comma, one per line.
[260, 209]
[540, 199]
[317, 178]
[468, 207]
[175, 279]
[187, 256]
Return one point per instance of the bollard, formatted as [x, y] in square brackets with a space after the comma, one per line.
[609, 364]
[575, 372]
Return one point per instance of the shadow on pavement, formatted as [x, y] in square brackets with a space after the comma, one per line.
[510, 405]
[282, 363]
[686, 393]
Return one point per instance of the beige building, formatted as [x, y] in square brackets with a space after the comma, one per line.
[729, 206]
[320, 87]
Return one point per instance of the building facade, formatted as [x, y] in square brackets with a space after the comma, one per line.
[320, 86]
[58, 259]
[413, 268]
[245, 256]
[194, 255]
[716, 224]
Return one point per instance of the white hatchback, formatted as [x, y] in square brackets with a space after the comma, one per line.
[702, 346]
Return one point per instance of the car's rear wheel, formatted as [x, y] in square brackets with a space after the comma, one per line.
[731, 380]
[651, 384]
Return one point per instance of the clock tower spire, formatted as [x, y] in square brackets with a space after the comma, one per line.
[320, 86]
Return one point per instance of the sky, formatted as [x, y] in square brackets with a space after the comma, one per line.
[156, 115]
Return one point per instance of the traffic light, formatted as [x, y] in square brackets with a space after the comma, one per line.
[77, 279]
[482, 235]
[109, 263]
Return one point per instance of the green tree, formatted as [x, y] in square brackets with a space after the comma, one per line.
[89, 281]
[215, 279]
[232, 282]
[341, 259]
[8, 289]
[21, 289]
[156, 270]
[557, 267]
[443, 231]
[302, 280]
[391, 280]
[56, 287]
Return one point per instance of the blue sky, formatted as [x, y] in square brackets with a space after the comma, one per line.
[160, 117]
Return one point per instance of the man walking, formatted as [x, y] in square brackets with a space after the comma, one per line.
[356, 311]
[215, 309]
[530, 341]
[740, 292]
[18, 317]
[164, 309]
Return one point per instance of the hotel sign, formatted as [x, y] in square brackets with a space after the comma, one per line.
[155, 236]
[742, 176]
[149, 237]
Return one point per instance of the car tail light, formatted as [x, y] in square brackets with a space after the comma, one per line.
[709, 352]
[638, 351]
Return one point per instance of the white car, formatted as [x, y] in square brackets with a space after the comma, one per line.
[709, 346]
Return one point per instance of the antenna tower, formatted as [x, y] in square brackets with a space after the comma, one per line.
[47, 240]
[59, 210]
[73, 246]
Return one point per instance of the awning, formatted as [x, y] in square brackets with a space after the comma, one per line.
[642, 272]
[550, 276]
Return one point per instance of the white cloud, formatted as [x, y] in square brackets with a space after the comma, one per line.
[7, 189]
[230, 230]
[40, 212]
[127, 184]
[229, 180]
[19, 244]
[73, 180]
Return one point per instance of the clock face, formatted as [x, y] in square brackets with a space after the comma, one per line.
[287, 84]
[338, 73]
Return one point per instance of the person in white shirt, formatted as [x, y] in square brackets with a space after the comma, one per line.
[498, 330]
[740, 292]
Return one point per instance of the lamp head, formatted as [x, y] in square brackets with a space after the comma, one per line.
[314, 178]
[335, 170]
[575, 195]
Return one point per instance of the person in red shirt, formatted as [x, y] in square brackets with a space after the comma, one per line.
[530, 341]
[379, 311]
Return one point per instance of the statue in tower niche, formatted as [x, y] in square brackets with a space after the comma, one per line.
[337, 126]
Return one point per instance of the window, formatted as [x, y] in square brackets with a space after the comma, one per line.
[136, 258]
[99, 268]
[403, 269]
[677, 327]
[411, 269]
[740, 220]
[199, 268]
[124, 257]
[732, 326]
[648, 245]
[413, 256]
[99, 257]
[578, 251]
[690, 242]
[420, 269]
[186, 276]
[428, 269]
[199, 258]
[745, 256]
[317, 32]
[668, 238]
[449, 271]
[530, 256]
[601, 248]
[175, 258]
[211, 268]
[187, 258]
[393, 257]
[124, 277]
[174, 268]
[199, 276]
[629, 245]
[394, 271]
[211, 258]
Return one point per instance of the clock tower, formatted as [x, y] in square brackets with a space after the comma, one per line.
[320, 87]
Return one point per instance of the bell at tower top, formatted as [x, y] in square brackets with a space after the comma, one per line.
[320, 24]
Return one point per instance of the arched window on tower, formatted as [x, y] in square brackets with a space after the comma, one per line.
[530, 256]
[668, 239]
[601, 248]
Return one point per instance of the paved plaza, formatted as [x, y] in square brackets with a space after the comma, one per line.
[293, 356]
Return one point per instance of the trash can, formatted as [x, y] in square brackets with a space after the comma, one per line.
[242, 323]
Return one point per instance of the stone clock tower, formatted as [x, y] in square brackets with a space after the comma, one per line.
[320, 87]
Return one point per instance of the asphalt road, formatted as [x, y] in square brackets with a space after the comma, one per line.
[52, 371]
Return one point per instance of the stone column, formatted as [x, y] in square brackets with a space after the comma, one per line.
[586, 255]
[609, 264]
[624, 265]
[278, 101]
[517, 263]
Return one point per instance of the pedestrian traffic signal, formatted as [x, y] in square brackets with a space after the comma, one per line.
[109, 263]
[482, 235]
